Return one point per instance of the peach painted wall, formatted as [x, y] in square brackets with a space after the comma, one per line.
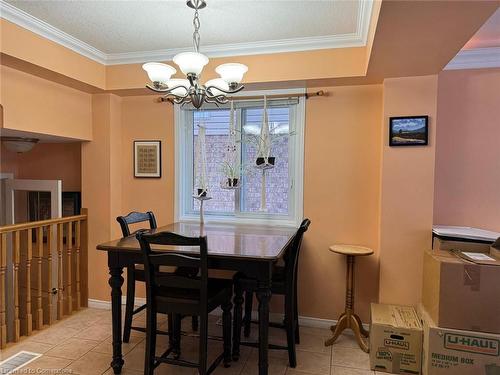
[54, 109]
[349, 215]
[101, 186]
[47, 161]
[407, 191]
[341, 197]
[277, 67]
[144, 119]
[25, 45]
[467, 153]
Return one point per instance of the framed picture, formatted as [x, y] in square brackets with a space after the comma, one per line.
[409, 131]
[147, 159]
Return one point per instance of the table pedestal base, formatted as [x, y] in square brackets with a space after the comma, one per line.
[349, 320]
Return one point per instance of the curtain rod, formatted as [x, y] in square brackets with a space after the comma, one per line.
[306, 95]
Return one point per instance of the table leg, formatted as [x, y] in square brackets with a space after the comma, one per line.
[263, 296]
[362, 329]
[237, 320]
[342, 324]
[356, 327]
[116, 282]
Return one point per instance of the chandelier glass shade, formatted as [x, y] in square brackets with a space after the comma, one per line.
[191, 64]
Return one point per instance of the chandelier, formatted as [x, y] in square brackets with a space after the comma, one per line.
[190, 89]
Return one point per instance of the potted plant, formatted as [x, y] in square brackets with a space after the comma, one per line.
[231, 172]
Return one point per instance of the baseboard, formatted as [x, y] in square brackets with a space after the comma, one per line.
[304, 321]
[98, 304]
[106, 305]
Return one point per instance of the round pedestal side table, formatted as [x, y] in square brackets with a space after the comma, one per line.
[348, 319]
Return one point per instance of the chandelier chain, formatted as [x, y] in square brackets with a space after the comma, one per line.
[196, 33]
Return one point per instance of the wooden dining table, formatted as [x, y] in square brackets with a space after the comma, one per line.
[247, 248]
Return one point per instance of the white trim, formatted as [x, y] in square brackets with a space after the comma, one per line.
[39, 27]
[357, 39]
[244, 49]
[98, 304]
[304, 321]
[296, 192]
[477, 58]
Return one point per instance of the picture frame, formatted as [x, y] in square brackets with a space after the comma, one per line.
[409, 131]
[147, 159]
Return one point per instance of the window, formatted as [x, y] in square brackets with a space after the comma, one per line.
[283, 183]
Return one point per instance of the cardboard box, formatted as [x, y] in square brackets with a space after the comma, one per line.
[440, 244]
[461, 294]
[395, 339]
[452, 352]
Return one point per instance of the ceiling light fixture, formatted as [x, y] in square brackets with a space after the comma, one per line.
[190, 90]
[19, 144]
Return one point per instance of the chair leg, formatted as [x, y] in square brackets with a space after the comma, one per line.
[151, 323]
[194, 323]
[203, 355]
[176, 335]
[290, 326]
[226, 331]
[170, 330]
[129, 308]
[247, 320]
[237, 320]
[296, 315]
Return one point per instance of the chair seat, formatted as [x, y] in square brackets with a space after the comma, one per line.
[187, 301]
[251, 285]
[140, 275]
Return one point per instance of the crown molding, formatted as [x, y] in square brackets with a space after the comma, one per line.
[357, 39]
[240, 49]
[39, 27]
[477, 58]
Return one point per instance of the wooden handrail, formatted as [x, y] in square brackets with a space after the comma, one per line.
[41, 223]
[31, 289]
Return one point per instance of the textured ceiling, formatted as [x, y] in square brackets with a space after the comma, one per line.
[133, 26]
[488, 35]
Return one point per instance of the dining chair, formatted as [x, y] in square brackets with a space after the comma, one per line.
[178, 295]
[284, 282]
[136, 272]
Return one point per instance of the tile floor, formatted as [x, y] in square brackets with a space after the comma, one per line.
[81, 344]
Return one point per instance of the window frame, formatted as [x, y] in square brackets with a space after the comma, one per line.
[184, 160]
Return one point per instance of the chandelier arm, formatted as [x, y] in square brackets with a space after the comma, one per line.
[181, 99]
[167, 90]
[184, 102]
[208, 100]
[225, 91]
[222, 99]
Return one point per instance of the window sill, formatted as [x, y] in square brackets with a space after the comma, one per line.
[258, 221]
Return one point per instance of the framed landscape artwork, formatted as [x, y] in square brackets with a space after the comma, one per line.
[147, 159]
[409, 131]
